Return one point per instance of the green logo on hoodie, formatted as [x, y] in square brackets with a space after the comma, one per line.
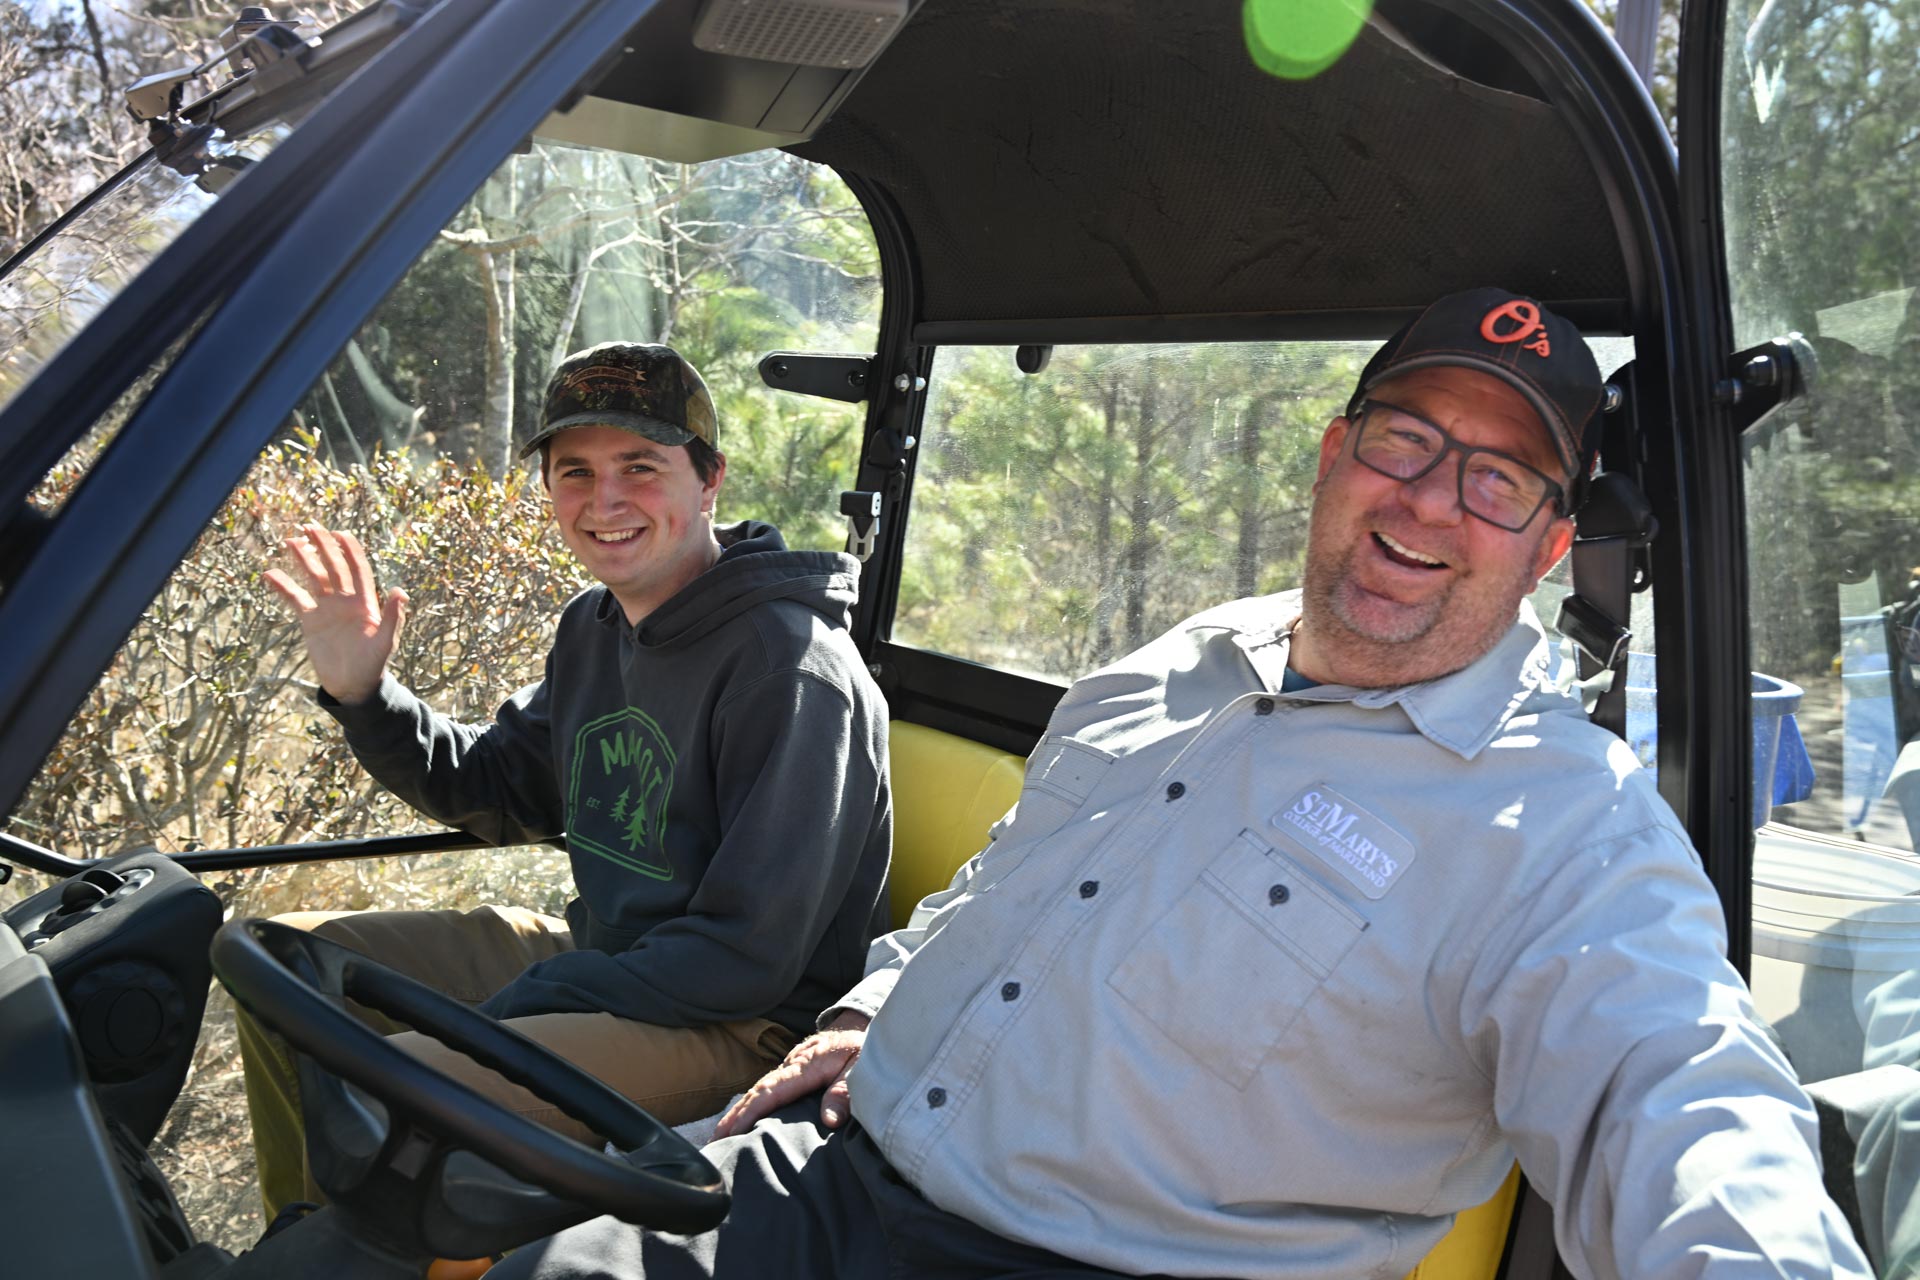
[617, 804]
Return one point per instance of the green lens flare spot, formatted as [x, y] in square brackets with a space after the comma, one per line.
[1298, 39]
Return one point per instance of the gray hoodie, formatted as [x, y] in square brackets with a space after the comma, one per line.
[719, 772]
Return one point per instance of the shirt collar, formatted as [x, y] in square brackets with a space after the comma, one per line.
[1462, 712]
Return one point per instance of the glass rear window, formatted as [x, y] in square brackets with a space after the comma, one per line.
[1065, 517]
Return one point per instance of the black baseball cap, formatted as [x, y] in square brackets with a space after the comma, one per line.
[1539, 354]
[642, 387]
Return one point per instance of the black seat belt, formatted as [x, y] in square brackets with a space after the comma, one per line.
[1612, 526]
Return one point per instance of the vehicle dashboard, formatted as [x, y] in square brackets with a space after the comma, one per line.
[61, 1153]
[103, 984]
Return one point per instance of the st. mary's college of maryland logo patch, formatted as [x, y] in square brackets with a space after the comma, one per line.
[617, 798]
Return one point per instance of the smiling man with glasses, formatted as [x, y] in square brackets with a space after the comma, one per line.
[1428, 526]
[1314, 915]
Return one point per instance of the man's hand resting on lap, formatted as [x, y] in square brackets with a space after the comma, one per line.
[821, 1061]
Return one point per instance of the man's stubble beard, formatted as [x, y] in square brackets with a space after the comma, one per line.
[1376, 655]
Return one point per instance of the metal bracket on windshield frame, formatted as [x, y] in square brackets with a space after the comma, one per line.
[1766, 377]
[830, 376]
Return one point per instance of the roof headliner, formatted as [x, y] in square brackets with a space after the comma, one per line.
[1059, 159]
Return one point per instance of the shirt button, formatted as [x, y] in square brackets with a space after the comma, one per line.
[1175, 790]
[1264, 707]
[1278, 894]
[1011, 991]
[1089, 887]
[936, 1097]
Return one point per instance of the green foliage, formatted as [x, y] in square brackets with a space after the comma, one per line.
[1063, 518]
[1666, 54]
[1820, 104]
[726, 261]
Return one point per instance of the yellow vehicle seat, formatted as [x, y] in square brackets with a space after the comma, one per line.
[948, 790]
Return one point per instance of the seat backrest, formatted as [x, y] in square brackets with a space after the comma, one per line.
[1478, 1241]
[947, 791]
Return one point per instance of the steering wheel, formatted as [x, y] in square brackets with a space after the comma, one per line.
[411, 1175]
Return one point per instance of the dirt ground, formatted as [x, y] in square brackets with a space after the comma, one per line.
[205, 1149]
[1828, 811]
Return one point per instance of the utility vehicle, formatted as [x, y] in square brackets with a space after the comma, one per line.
[1069, 289]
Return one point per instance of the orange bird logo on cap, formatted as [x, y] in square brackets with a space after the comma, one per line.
[1523, 314]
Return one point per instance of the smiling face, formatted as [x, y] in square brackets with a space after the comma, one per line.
[635, 512]
[1401, 584]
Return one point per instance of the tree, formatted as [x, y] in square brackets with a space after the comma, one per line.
[1666, 54]
[1062, 517]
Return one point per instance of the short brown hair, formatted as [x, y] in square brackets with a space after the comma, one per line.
[704, 457]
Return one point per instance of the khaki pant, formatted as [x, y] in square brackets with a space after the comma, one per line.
[676, 1073]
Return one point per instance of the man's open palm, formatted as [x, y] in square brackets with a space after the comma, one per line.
[350, 629]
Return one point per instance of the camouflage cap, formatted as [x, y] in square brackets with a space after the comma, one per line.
[641, 387]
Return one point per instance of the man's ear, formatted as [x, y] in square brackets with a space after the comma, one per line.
[1332, 441]
[1553, 545]
[711, 490]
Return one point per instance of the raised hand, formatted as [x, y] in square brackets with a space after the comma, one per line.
[821, 1061]
[350, 629]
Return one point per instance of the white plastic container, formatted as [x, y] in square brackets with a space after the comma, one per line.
[1836, 951]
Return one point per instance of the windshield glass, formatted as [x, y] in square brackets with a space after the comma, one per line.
[204, 732]
[1819, 109]
[56, 286]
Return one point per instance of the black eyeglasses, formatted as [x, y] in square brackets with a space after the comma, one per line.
[1494, 486]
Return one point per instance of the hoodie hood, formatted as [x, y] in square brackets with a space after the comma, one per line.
[754, 567]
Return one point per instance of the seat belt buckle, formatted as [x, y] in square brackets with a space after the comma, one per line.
[861, 507]
[1592, 630]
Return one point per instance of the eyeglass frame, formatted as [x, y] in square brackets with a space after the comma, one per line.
[1555, 495]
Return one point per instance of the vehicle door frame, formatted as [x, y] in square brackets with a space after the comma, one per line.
[284, 269]
[1702, 698]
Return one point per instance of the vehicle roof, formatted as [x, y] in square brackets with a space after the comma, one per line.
[1425, 160]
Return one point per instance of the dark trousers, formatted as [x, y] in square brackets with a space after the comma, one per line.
[806, 1204]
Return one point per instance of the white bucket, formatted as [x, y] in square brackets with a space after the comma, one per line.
[1836, 951]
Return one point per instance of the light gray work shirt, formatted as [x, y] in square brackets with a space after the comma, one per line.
[1250, 984]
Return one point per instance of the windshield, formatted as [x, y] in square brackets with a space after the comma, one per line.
[57, 285]
[1819, 109]
[208, 131]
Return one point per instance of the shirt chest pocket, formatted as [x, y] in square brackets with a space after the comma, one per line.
[1230, 965]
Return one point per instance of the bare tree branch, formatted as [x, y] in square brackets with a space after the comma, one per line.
[99, 55]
